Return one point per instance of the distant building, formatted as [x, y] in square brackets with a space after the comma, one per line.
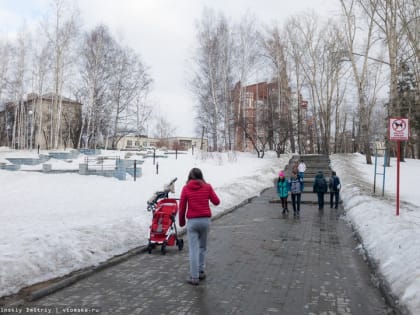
[256, 106]
[186, 143]
[36, 121]
[138, 142]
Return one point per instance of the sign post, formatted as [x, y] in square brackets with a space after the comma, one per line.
[398, 131]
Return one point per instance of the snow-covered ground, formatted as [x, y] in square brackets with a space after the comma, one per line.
[54, 224]
[392, 241]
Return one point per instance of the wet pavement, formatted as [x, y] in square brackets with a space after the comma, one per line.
[259, 262]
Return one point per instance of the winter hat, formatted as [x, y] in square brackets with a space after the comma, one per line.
[281, 174]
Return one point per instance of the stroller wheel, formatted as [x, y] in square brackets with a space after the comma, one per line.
[163, 248]
[180, 243]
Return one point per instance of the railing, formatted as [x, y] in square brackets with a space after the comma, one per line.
[102, 162]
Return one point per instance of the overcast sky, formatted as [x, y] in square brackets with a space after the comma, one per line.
[162, 31]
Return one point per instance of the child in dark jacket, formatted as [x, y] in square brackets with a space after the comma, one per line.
[335, 187]
[320, 188]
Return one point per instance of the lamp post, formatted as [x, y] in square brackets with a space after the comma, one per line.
[31, 128]
[7, 133]
[353, 144]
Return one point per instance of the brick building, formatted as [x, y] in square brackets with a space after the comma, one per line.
[259, 111]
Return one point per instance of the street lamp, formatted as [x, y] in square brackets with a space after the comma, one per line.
[353, 144]
[8, 137]
[31, 128]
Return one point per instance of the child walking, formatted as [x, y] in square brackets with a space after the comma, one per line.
[295, 184]
[335, 186]
[283, 191]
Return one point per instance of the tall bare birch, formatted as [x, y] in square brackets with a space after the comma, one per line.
[280, 124]
[246, 53]
[61, 29]
[211, 81]
[357, 49]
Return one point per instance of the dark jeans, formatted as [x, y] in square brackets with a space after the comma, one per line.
[335, 194]
[283, 202]
[296, 202]
[320, 200]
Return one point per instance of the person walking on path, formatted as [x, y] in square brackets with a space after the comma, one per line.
[295, 184]
[335, 186]
[320, 187]
[301, 171]
[283, 191]
[194, 205]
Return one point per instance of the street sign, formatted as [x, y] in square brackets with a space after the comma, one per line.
[398, 129]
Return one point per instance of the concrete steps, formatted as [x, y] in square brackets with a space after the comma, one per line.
[314, 164]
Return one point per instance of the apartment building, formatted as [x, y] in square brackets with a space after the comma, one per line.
[258, 110]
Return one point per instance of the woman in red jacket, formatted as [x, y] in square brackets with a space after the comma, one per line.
[194, 205]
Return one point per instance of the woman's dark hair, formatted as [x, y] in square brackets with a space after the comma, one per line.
[195, 173]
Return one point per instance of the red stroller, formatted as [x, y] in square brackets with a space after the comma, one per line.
[163, 229]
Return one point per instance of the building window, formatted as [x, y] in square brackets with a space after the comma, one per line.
[129, 143]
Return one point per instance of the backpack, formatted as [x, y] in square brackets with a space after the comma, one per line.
[295, 186]
[320, 184]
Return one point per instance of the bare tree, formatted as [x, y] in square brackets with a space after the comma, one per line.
[211, 82]
[296, 50]
[246, 56]
[279, 106]
[61, 29]
[409, 15]
[41, 63]
[321, 71]
[97, 53]
[128, 80]
[384, 15]
[163, 129]
[17, 86]
[142, 113]
[360, 69]
[4, 67]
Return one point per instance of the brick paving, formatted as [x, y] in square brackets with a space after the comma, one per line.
[259, 262]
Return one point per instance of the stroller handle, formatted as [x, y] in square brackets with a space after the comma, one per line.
[151, 203]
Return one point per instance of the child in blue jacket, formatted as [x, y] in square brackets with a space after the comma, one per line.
[283, 191]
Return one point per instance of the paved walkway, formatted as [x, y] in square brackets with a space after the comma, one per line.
[259, 262]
